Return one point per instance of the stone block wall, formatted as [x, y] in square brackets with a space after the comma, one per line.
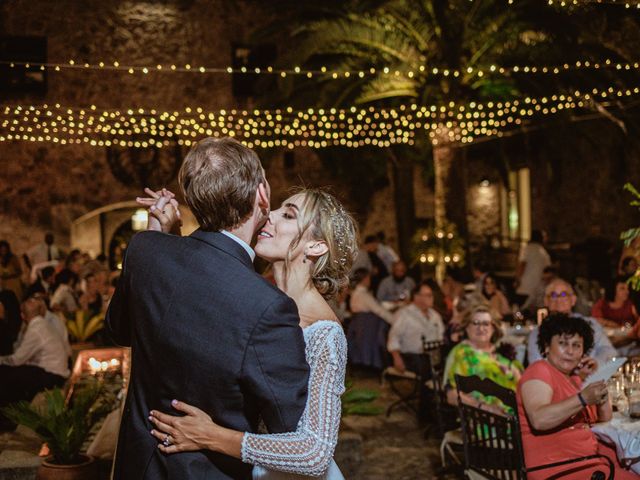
[44, 186]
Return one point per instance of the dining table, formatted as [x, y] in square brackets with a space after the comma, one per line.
[623, 432]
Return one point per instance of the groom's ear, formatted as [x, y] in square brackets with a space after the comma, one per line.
[262, 195]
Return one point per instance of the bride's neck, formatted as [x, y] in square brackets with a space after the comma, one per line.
[296, 283]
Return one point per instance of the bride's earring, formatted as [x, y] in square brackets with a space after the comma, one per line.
[304, 257]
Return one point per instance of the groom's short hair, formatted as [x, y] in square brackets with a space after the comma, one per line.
[219, 179]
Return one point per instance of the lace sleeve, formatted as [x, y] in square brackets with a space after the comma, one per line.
[309, 450]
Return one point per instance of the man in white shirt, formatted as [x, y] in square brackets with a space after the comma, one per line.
[532, 261]
[46, 251]
[40, 360]
[411, 324]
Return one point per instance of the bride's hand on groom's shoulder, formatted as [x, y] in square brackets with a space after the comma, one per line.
[193, 431]
[164, 212]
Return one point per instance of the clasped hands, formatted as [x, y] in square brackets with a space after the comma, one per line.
[164, 212]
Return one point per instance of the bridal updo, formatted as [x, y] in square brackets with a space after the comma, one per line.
[324, 217]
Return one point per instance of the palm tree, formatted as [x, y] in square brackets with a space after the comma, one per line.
[459, 38]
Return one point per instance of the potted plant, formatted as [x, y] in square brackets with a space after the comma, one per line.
[64, 427]
[81, 328]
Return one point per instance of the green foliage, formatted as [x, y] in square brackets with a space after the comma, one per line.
[63, 427]
[81, 327]
[358, 401]
[629, 236]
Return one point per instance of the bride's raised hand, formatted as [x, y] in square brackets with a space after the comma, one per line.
[193, 431]
[164, 212]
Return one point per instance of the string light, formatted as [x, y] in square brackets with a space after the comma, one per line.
[351, 127]
[336, 74]
[581, 3]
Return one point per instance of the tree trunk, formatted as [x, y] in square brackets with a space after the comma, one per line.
[449, 165]
[402, 170]
[450, 186]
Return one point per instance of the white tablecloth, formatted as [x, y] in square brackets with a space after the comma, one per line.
[517, 336]
[624, 433]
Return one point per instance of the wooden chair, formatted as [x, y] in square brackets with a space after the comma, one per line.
[493, 443]
[431, 377]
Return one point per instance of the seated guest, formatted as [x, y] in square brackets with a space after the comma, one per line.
[368, 327]
[361, 298]
[476, 355]
[628, 345]
[10, 270]
[412, 324]
[615, 309]
[628, 266]
[492, 295]
[555, 412]
[58, 324]
[91, 299]
[396, 287]
[367, 257]
[64, 297]
[10, 321]
[39, 361]
[44, 283]
[560, 297]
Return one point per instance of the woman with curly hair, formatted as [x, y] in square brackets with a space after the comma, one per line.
[556, 411]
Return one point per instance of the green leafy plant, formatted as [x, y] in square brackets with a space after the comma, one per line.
[81, 327]
[358, 401]
[630, 235]
[63, 427]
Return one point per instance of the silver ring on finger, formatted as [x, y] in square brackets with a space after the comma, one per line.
[167, 440]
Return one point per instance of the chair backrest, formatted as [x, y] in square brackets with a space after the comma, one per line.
[492, 442]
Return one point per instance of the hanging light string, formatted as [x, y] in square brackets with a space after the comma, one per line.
[582, 3]
[317, 128]
[331, 73]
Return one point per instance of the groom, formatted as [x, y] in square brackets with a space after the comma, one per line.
[204, 327]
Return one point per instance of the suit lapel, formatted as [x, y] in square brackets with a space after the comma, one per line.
[222, 242]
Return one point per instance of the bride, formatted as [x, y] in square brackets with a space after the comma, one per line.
[310, 242]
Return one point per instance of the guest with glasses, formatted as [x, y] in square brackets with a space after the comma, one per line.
[560, 297]
[615, 309]
[477, 355]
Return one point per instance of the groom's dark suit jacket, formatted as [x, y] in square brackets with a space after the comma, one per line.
[206, 329]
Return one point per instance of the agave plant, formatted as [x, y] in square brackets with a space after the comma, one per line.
[358, 401]
[64, 427]
[81, 327]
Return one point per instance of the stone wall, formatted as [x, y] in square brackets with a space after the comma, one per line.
[44, 186]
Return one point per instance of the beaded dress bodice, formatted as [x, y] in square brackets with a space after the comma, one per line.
[309, 450]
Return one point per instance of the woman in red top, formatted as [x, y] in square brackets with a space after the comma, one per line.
[555, 412]
[615, 309]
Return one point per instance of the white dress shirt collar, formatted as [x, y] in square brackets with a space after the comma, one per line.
[242, 243]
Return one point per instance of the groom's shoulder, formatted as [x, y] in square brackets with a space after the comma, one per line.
[142, 240]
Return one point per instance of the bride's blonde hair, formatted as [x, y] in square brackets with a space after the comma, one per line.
[326, 220]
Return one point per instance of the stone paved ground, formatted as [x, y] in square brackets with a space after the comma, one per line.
[394, 447]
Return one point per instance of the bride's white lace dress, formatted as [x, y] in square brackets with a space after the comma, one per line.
[308, 452]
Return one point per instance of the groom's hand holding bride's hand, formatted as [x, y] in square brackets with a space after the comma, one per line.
[193, 431]
[164, 214]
